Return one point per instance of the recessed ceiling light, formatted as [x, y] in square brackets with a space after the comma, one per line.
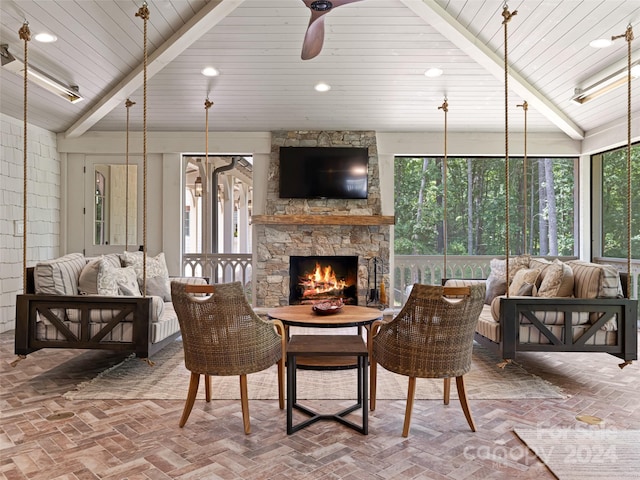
[322, 87]
[601, 43]
[210, 72]
[45, 37]
[433, 72]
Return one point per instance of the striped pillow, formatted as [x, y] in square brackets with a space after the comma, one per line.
[592, 280]
[59, 276]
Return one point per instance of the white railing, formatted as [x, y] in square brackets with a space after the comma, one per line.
[428, 269]
[408, 269]
[218, 267]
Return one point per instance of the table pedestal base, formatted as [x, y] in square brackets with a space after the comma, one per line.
[327, 346]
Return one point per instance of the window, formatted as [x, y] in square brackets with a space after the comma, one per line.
[613, 215]
[542, 223]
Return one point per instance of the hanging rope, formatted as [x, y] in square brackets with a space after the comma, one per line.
[628, 36]
[25, 34]
[445, 108]
[507, 18]
[208, 196]
[127, 104]
[525, 107]
[143, 13]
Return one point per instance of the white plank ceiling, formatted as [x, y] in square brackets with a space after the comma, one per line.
[374, 56]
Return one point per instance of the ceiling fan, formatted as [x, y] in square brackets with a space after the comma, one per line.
[314, 37]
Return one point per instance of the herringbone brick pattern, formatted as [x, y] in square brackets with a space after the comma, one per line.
[141, 439]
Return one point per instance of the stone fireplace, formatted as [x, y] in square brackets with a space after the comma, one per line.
[318, 227]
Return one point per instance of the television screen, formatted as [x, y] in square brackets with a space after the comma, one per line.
[323, 172]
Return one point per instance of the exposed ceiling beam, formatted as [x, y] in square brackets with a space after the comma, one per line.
[443, 22]
[209, 16]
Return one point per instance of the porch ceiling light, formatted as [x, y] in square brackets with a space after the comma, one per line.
[433, 72]
[606, 84]
[322, 87]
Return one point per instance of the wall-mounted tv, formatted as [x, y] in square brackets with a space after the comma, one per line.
[323, 172]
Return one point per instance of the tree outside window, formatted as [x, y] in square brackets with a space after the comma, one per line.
[614, 203]
[541, 213]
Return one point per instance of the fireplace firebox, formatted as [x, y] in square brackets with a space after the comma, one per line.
[320, 278]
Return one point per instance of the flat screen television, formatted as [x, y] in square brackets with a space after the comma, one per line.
[324, 172]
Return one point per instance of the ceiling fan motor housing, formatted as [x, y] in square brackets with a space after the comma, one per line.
[321, 5]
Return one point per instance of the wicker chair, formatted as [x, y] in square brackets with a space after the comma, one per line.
[431, 337]
[222, 335]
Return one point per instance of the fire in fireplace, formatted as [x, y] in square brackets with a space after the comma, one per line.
[320, 278]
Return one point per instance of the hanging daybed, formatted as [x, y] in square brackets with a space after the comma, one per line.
[551, 306]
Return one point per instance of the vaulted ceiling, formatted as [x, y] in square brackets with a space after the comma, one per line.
[374, 57]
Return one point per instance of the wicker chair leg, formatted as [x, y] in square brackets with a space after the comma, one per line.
[373, 383]
[447, 390]
[281, 383]
[244, 399]
[191, 397]
[207, 387]
[407, 414]
[462, 394]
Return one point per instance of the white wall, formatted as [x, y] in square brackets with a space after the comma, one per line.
[43, 212]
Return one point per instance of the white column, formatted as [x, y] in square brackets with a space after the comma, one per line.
[243, 220]
[227, 214]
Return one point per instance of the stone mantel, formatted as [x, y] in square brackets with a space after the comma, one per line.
[323, 219]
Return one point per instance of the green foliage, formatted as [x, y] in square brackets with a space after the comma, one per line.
[614, 203]
[477, 225]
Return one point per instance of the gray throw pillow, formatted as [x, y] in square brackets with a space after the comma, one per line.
[496, 286]
[159, 287]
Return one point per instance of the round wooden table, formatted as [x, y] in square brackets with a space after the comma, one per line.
[348, 316]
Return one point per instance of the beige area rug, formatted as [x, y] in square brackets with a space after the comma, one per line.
[168, 379]
[586, 454]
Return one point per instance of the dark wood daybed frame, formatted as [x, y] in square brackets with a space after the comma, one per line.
[626, 310]
[29, 305]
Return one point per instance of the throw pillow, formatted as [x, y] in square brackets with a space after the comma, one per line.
[128, 283]
[594, 280]
[527, 290]
[495, 286]
[558, 281]
[156, 266]
[113, 281]
[522, 276]
[541, 264]
[497, 280]
[88, 282]
[159, 287]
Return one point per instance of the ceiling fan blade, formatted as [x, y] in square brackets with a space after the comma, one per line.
[337, 3]
[314, 37]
